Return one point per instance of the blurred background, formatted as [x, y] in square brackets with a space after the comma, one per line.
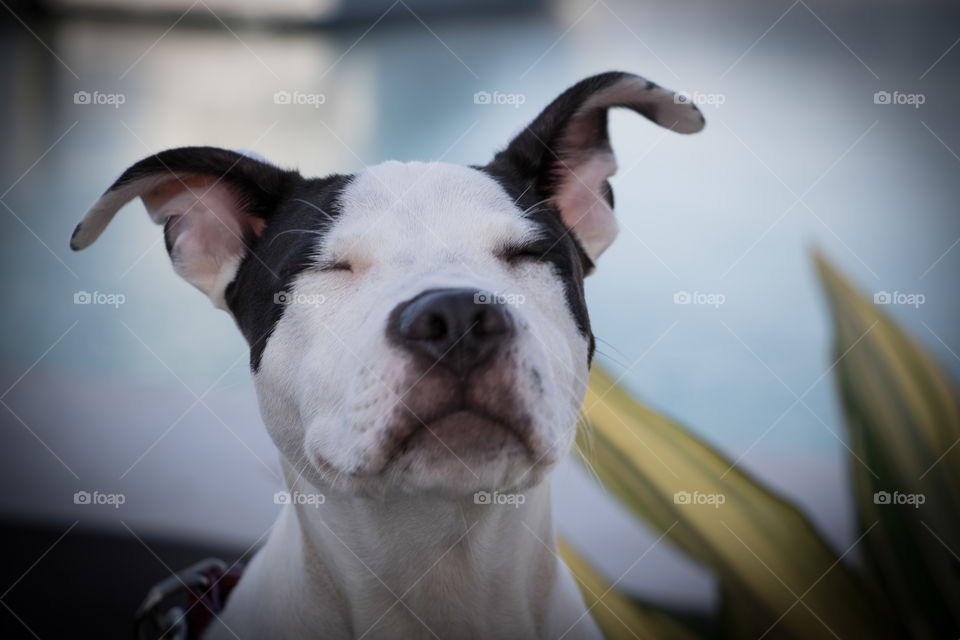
[830, 126]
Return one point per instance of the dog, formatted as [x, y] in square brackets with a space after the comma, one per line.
[420, 346]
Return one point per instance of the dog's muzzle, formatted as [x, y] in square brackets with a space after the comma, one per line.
[458, 329]
[459, 398]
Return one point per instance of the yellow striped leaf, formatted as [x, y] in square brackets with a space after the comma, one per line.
[903, 417]
[763, 550]
[618, 617]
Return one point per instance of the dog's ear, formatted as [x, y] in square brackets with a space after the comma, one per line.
[565, 152]
[213, 204]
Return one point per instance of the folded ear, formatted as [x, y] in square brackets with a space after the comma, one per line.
[565, 152]
[212, 202]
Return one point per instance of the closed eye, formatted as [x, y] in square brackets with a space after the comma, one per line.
[333, 265]
[525, 252]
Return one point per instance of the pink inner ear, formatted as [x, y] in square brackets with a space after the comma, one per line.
[581, 202]
[156, 197]
[208, 230]
[202, 194]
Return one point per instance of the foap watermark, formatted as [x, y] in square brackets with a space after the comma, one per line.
[97, 498]
[99, 98]
[700, 99]
[697, 297]
[308, 299]
[296, 497]
[97, 297]
[514, 299]
[900, 98]
[299, 98]
[513, 499]
[512, 99]
[696, 498]
[898, 297]
[912, 499]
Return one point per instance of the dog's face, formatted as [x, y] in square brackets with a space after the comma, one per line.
[412, 326]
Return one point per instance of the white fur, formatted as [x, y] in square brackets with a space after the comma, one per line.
[328, 387]
[399, 548]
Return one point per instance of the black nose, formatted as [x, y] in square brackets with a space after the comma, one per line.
[458, 328]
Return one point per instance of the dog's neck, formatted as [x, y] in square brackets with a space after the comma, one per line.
[416, 556]
[408, 566]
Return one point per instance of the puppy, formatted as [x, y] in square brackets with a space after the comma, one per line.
[420, 346]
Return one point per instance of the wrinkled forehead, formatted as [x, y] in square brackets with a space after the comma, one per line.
[398, 208]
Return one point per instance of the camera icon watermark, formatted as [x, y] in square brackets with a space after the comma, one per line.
[107, 299]
[114, 500]
[97, 98]
[497, 98]
[307, 499]
[896, 498]
[497, 498]
[897, 297]
[291, 298]
[485, 297]
[899, 98]
[299, 98]
[709, 299]
[696, 498]
[714, 100]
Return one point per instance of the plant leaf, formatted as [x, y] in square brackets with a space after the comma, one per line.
[903, 417]
[763, 550]
[618, 617]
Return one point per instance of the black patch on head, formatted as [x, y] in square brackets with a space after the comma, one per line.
[257, 186]
[537, 152]
[565, 254]
[286, 248]
[271, 194]
[534, 164]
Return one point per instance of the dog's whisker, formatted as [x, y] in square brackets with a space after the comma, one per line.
[529, 209]
[313, 232]
[314, 206]
[466, 527]
[516, 200]
[588, 465]
[620, 363]
[614, 347]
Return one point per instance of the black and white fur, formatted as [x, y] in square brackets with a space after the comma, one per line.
[397, 396]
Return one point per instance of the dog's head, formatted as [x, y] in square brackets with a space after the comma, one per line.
[413, 325]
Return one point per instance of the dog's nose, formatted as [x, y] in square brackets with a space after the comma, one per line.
[458, 328]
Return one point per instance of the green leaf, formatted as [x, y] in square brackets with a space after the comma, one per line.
[903, 417]
[618, 617]
[763, 550]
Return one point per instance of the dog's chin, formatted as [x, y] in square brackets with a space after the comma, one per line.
[447, 435]
[453, 455]
[463, 434]
[460, 451]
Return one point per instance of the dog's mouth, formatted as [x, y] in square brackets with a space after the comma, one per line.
[444, 430]
[441, 418]
[467, 433]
